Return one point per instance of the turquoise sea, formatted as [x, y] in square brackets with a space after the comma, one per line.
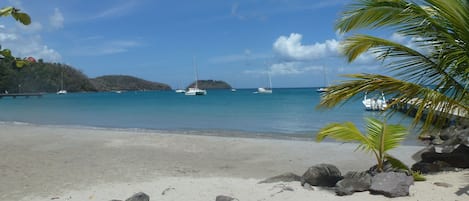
[285, 113]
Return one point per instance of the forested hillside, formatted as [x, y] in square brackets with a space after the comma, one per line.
[50, 77]
[124, 82]
[41, 77]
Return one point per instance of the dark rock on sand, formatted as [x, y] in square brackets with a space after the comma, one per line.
[353, 182]
[436, 166]
[139, 197]
[458, 158]
[224, 198]
[287, 177]
[391, 184]
[322, 175]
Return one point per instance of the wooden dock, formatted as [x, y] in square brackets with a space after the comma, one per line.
[450, 115]
[26, 95]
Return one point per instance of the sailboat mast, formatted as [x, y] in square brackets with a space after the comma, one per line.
[196, 73]
[62, 81]
[270, 81]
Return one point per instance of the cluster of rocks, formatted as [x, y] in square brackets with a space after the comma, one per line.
[390, 183]
[448, 149]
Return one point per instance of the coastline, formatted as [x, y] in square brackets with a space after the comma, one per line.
[42, 162]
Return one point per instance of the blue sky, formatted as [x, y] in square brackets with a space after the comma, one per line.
[237, 41]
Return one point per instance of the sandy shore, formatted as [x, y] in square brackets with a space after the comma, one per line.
[50, 163]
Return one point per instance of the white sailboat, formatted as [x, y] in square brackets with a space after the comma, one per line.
[375, 104]
[62, 91]
[265, 90]
[323, 89]
[179, 90]
[195, 91]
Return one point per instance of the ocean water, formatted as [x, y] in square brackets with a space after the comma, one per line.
[285, 113]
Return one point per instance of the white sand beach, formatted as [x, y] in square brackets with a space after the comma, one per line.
[40, 163]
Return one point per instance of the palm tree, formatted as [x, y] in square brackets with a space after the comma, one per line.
[379, 139]
[439, 56]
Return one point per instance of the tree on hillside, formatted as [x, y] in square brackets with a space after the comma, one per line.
[439, 56]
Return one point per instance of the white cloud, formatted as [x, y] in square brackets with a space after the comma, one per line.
[287, 68]
[398, 37]
[105, 48]
[25, 45]
[235, 12]
[57, 19]
[291, 68]
[119, 9]
[246, 56]
[291, 48]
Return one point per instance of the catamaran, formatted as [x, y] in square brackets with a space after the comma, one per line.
[195, 91]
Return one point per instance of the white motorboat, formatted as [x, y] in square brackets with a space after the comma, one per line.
[375, 104]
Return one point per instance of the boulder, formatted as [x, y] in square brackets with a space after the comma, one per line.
[224, 198]
[391, 184]
[436, 166]
[353, 182]
[322, 175]
[139, 197]
[458, 158]
[287, 177]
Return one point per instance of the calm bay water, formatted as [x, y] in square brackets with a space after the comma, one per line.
[286, 112]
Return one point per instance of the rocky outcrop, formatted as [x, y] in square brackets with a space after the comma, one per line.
[391, 184]
[287, 177]
[433, 161]
[321, 175]
[224, 198]
[452, 144]
[353, 182]
[139, 197]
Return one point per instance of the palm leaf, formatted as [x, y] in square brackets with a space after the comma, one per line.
[347, 132]
[437, 106]
[383, 136]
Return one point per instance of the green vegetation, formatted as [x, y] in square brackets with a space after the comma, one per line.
[47, 77]
[128, 83]
[439, 55]
[211, 84]
[41, 77]
[379, 139]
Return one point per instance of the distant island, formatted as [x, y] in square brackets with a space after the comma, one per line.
[125, 82]
[47, 77]
[211, 84]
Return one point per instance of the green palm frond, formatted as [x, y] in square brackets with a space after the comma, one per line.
[346, 132]
[379, 139]
[384, 137]
[431, 103]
